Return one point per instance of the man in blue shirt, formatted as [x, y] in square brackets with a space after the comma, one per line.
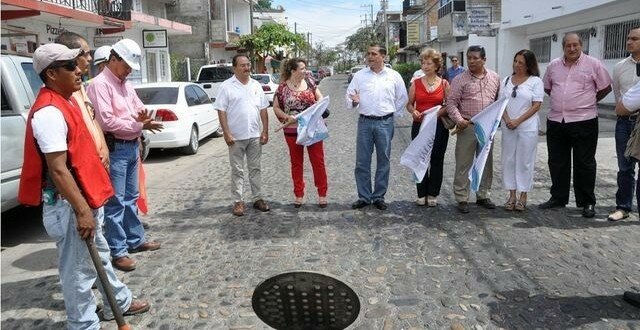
[455, 69]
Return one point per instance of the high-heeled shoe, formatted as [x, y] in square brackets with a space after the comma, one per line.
[322, 202]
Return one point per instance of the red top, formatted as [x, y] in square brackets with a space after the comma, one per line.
[426, 100]
[82, 158]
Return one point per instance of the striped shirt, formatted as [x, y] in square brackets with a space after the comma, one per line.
[469, 95]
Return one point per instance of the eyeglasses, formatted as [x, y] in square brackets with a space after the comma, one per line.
[513, 92]
[69, 65]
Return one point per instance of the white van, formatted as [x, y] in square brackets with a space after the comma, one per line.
[20, 85]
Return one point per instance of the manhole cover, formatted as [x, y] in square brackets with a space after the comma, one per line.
[304, 300]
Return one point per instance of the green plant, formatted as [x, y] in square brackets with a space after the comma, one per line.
[406, 70]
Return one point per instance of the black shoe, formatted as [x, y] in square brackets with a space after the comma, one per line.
[463, 207]
[486, 203]
[359, 204]
[380, 204]
[589, 211]
[632, 298]
[551, 204]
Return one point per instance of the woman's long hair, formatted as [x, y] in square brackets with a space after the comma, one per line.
[530, 60]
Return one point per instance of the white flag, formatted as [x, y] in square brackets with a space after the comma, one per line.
[417, 156]
[311, 126]
[485, 126]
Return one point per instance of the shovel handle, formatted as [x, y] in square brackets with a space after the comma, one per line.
[108, 290]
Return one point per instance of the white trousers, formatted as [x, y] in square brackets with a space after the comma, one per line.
[518, 159]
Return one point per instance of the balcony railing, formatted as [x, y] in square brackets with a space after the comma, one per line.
[118, 9]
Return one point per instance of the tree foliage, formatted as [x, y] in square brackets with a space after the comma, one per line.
[263, 4]
[324, 55]
[269, 39]
[360, 41]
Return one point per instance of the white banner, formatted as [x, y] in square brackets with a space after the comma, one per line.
[485, 126]
[311, 126]
[417, 156]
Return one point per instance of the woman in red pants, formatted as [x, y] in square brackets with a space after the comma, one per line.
[296, 93]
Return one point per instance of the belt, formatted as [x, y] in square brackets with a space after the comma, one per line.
[632, 117]
[387, 116]
[126, 141]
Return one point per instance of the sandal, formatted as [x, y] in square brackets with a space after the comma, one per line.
[520, 206]
[509, 205]
[298, 202]
[322, 202]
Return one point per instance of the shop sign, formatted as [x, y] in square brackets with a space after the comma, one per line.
[154, 38]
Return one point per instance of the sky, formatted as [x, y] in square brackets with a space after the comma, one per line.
[330, 21]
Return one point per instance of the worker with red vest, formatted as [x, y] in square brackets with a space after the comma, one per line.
[62, 170]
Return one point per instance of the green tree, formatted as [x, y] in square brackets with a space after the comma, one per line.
[270, 39]
[263, 4]
[324, 55]
[359, 42]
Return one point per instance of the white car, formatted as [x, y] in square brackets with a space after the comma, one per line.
[186, 112]
[269, 84]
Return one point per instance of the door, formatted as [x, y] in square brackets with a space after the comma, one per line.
[207, 115]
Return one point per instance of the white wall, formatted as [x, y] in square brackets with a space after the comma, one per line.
[583, 15]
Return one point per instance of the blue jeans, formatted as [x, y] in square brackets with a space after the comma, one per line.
[123, 228]
[378, 133]
[626, 167]
[77, 272]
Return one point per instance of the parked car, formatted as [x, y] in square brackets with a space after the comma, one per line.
[186, 112]
[20, 85]
[269, 84]
[353, 71]
[210, 77]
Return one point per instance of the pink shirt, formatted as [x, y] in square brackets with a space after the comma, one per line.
[574, 87]
[116, 105]
[470, 95]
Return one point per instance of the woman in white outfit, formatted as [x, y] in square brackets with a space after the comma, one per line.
[525, 91]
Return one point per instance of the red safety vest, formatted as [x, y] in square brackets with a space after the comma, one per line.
[82, 158]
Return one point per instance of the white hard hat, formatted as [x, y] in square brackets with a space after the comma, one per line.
[101, 54]
[129, 51]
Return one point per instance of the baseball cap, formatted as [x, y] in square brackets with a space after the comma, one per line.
[129, 51]
[49, 53]
[101, 54]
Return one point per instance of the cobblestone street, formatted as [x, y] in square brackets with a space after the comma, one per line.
[412, 267]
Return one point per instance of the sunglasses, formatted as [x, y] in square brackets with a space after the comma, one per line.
[69, 65]
[513, 92]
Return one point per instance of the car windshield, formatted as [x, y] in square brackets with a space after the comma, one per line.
[215, 74]
[263, 79]
[158, 95]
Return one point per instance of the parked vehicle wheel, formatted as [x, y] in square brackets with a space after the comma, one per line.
[192, 147]
[218, 133]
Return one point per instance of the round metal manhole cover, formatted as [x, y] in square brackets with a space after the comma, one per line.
[305, 300]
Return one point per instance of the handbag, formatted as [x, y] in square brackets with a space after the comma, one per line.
[447, 122]
[326, 114]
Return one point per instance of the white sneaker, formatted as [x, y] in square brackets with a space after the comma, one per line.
[618, 215]
[420, 201]
[432, 201]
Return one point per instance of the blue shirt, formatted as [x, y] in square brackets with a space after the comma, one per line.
[452, 73]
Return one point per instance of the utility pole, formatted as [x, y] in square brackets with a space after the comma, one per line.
[295, 31]
[253, 56]
[308, 42]
[386, 24]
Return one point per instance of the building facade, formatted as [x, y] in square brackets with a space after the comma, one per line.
[539, 26]
[27, 24]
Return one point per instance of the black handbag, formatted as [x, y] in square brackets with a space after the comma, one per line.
[326, 114]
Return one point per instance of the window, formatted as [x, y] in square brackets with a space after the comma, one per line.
[615, 39]
[158, 95]
[191, 96]
[542, 48]
[448, 6]
[584, 36]
[6, 106]
[202, 96]
[34, 80]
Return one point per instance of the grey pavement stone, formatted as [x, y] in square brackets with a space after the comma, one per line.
[412, 267]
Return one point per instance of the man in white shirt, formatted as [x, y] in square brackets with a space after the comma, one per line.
[379, 93]
[242, 109]
[624, 77]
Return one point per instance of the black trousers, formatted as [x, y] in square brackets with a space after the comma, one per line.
[579, 139]
[432, 181]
